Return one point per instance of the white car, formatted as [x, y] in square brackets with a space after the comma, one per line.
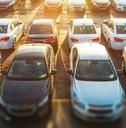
[76, 5]
[82, 30]
[101, 4]
[11, 31]
[119, 5]
[53, 5]
[114, 31]
[96, 92]
[43, 31]
[123, 60]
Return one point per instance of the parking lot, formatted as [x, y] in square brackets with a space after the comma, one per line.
[62, 116]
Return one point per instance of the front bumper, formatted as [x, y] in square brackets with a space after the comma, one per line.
[88, 116]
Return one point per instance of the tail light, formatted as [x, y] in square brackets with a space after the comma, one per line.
[29, 40]
[74, 40]
[50, 40]
[95, 39]
[116, 39]
[4, 39]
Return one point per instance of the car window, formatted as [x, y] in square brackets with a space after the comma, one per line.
[121, 29]
[41, 29]
[27, 69]
[3, 28]
[84, 29]
[95, 70]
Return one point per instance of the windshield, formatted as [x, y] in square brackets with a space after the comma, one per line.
[3, 28]
[41, 29]
[121, 29]
[95, 70]
[84, 29]
[27, 70]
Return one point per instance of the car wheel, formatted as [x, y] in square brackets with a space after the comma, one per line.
[109, 44]
[123, 66]
[14, 44]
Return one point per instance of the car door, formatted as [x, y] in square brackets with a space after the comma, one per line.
[49, 66]
[70, 29]
[108, 29]
[73, 61]
[18, 28]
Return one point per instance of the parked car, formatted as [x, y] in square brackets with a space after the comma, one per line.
[11, 31]
[114, 31]
[53, 5]
[123, 60]
[96, 92]
[119, 5]
[82, 30]
[8, 4]
[76, 5]
[28, 84]
[100, 4]
[43, 31]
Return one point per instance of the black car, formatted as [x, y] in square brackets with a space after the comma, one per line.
[28, 84]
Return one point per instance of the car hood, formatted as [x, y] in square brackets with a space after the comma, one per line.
[23, 92]
[101, 1]
[98, 93]
[5, 1]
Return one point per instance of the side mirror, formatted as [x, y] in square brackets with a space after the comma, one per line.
[53, 71]
[70, 71]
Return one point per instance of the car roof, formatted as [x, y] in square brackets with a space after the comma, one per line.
[42, 21]
[119, 21]
[5, 21]
[86, 21]
[32, 50]
[92, 51]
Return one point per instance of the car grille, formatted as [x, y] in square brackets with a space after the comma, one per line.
[103, 109]
[28, 110]
[96, 111]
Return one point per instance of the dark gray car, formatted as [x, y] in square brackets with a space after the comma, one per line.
[28, 84]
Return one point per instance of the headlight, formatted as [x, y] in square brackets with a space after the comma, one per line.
[44, 100]
[77, 101]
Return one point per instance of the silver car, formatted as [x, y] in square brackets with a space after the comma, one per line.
[11, 31]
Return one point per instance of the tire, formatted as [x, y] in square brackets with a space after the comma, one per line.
[123, 66]
[109, 44]
[14, 44]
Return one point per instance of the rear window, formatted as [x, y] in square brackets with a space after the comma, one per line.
[41, 29]
[84, 29]
[121, 29]
[3, 28]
